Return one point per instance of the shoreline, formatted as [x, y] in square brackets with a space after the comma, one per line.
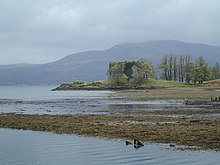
[105, 89]
[189, 129]
[168, 94]
[198, 127]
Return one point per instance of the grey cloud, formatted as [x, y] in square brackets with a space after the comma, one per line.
[38, 31]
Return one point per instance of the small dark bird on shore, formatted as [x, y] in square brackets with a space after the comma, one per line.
[138, 143]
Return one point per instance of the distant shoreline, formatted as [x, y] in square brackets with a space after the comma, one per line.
[103, 89]
[104, 85]
[148, 84]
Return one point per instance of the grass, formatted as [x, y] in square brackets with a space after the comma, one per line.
[148, 84]
[174, 93]
[106, 84]
[152, 83]
[77, 85]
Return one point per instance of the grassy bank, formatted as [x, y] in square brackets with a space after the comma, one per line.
[147, 84]
[106, 85]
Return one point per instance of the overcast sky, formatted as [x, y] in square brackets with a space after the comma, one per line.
[40, 31]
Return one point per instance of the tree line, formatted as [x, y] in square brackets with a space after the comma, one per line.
[171, 68]
[184, 69]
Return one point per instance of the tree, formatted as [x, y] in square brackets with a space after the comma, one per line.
[216, 71]
[175, 68]
[170, 67]
[181, 69]
[201, 72]
[164, 67]
[211, 73]
[189, 67]
[142, 70]
[116, 75]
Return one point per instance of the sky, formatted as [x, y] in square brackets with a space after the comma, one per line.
[41, 31]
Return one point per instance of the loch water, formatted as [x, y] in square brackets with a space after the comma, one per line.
[28, 147]
[41, 100]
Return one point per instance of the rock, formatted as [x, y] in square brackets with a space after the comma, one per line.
[128, 143]
[172, 145]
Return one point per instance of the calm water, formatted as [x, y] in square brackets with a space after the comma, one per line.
[44, 93]
[40, 100]
[27, 147]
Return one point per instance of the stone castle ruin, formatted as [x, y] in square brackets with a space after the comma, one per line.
[130, 72]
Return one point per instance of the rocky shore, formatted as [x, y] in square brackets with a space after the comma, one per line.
[199, 127]
[202, 132]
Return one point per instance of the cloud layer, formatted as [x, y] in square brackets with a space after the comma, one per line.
[38, 31]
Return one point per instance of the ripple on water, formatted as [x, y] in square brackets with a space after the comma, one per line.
[27, 147]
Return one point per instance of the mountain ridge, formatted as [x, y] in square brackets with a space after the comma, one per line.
[92, 65]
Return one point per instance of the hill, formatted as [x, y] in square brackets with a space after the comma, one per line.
[92, 65]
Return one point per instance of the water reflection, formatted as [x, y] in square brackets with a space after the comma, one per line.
[137, 144]
[27, 147]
